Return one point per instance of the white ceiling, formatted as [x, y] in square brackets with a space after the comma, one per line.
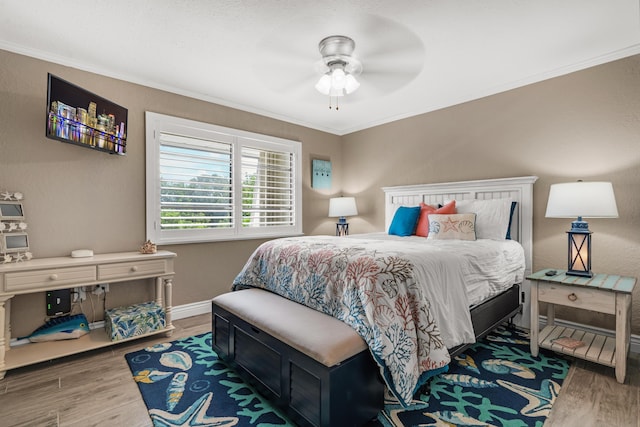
[260, 55]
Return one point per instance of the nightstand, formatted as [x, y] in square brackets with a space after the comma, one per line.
[603, 293]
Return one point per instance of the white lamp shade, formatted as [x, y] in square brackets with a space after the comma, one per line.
[351, 84]
[338, 79]
[337, 83]
[336, 92]
[324, 84]
[342, 206]
[582, 199]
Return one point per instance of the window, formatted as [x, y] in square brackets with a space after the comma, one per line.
[208, 183]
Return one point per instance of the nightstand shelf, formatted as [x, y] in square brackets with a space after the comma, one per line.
[602, 293]
[597, 348]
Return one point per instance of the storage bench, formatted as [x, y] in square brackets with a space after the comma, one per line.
[314, 367]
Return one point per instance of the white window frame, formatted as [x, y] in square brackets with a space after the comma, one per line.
[156, 124]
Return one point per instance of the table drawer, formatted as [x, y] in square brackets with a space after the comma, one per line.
[129, 270]
[56, 278]
[578, 297]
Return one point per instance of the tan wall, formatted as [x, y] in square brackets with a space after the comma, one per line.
[585, 125]
[80, 198]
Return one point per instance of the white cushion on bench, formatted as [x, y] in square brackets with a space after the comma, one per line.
[318, 335]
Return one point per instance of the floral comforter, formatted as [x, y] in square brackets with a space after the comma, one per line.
[368, 286]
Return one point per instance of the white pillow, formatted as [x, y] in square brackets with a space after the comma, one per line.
[492, 216]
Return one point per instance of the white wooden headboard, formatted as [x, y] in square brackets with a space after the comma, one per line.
[518, 189]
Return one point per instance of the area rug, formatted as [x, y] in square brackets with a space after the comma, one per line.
[495, 382]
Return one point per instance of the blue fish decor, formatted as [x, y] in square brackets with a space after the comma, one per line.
[61, 328]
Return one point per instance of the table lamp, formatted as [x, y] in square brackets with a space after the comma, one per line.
[582, 200]
[342, 207]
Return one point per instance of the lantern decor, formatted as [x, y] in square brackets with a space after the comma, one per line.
[579, 261]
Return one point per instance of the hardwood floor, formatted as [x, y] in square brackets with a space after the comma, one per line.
[591, 396]
[90, 389]
[96, 389]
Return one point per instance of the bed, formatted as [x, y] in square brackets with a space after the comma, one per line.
[376, 282]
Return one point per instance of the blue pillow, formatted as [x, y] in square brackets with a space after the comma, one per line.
[513, 208]
[404, 221]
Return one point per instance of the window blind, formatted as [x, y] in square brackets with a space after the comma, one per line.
[210, 183]
[195, 183]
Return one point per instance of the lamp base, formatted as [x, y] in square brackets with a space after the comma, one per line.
[579, 239]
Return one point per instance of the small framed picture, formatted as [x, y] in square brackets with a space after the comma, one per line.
[14, 242]
[10, 210]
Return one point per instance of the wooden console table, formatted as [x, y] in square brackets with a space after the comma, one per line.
[603, 293]
[44, 274]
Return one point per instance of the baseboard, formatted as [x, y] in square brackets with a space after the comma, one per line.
[634, 346]
[191, 309]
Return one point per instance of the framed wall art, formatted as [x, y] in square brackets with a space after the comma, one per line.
[321, 174]
[77, 116]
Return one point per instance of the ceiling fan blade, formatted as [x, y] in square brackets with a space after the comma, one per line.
[282, 81]
[282, 64]
[378, 36]
[391, 54]
[387, 82]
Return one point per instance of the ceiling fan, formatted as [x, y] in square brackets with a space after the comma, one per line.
[388, 56]
[338, 66]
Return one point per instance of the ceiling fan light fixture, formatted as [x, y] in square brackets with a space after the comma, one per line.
[338, 79]
[337, 83]
[335, 92]
[340, 68]
[324, 84]
[350, 84]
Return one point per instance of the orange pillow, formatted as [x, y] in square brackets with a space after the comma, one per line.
[422, 229]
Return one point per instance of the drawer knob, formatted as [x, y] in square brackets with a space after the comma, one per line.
[53, 277]
[134, 268]
[572, 297]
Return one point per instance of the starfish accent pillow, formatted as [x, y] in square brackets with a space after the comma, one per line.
[454, 226]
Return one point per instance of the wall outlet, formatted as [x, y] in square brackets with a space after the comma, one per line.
[79, 294]
[100, 289]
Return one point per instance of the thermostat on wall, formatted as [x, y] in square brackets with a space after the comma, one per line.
[81, 253]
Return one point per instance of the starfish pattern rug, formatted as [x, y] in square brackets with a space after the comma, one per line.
[494, 383]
